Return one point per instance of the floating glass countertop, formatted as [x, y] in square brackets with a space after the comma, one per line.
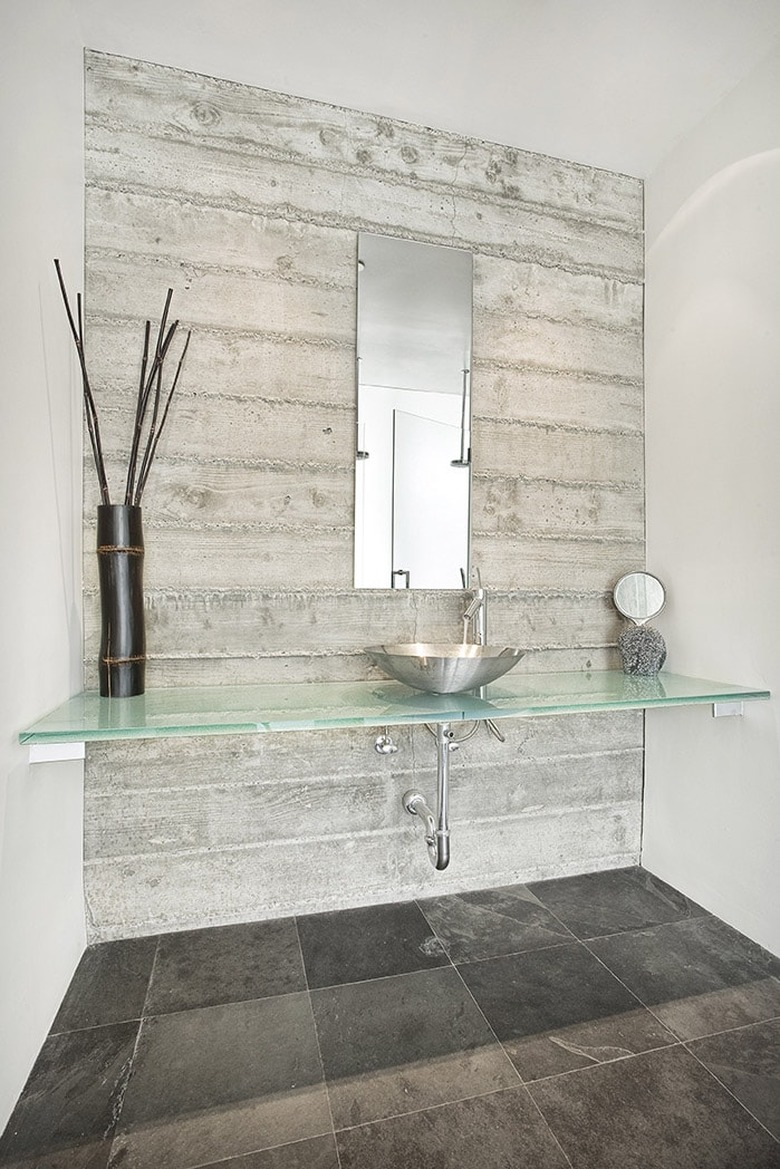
[238, 710]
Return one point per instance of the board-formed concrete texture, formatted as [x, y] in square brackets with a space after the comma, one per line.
[249, 204]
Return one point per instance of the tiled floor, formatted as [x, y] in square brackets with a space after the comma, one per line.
[597, 1022]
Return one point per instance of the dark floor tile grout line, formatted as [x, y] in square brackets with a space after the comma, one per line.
[488, 1024]
[633, 994]
[96, 1026]
[602, 1063]
[548, 1126]
[300, 953]
[308, 991]
[400, 974]
[657, 1017]
[490, 909]
[521, 1082]
[728, 1090]
[260, 998]
[432, 928]
[559, 920]
[152, 970]
[253, 1153]
[678, 1039]
[521, 1085]
[431, 1107]
[120, 1103]
[556, 945]
[641, 929]
[517, 953]
[381, 977]
[565, 941]
[117, 1111]
[732, 1030]
[630, 930]
[325, 1086]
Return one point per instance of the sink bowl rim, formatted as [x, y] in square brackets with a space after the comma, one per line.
[455, 650]
[444, 667]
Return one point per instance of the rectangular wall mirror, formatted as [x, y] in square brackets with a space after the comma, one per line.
[413, 454]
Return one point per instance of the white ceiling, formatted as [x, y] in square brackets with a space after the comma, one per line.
[611, 83]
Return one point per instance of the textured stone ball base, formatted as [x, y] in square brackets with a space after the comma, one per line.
[642, 649]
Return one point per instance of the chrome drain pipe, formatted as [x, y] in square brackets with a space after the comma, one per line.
[437, 827]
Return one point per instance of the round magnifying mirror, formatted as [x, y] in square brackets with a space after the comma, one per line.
[639, 596]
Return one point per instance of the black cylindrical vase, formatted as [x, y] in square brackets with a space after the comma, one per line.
[120, 551]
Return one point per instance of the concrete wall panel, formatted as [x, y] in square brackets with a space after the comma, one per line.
[249, 205]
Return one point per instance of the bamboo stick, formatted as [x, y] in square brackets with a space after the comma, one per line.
[150, 388]
[89, 402]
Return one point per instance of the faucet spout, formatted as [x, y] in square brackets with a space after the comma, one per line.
[474, 605]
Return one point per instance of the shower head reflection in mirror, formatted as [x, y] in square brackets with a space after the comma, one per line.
[413, 450]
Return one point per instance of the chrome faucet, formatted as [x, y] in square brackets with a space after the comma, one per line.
[476, 613]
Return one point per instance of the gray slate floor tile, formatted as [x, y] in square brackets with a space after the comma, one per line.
[747, 1061]
[374, 942]
[315, 1153]
[404, 1043]
[65, 1116]
[109, 985]
[558, 1009]
[661, 1110]
[499, 1131]
[232, 963]
[698, 976]
[220, 1082]
[596, 904]
[655, 1043]
[484, 924]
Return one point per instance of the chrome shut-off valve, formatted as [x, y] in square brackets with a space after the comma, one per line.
[384, 745]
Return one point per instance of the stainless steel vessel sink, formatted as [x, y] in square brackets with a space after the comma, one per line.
[444, 668]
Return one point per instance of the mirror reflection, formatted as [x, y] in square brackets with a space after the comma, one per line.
[639, 596]
[413, 454]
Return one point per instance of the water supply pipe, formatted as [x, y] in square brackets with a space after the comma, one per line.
[437, 826]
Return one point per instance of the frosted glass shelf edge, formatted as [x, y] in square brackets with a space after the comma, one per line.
[242, 710]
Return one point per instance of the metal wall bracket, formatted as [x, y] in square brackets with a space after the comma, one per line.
[56, 752]
[727, 709]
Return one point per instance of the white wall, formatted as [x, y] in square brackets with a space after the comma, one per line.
[41, 215]
[712, 804]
